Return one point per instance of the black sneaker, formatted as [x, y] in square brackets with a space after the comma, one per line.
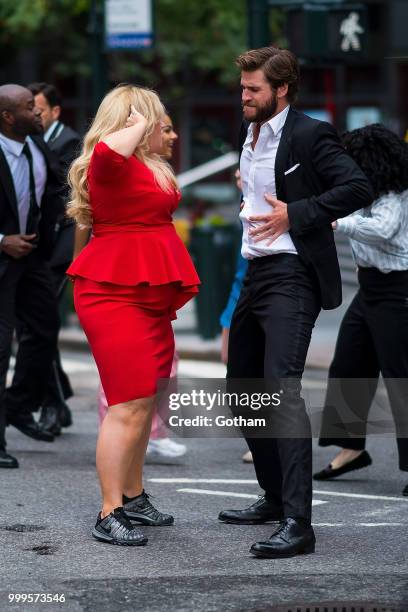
[115, 528]
[142, 510]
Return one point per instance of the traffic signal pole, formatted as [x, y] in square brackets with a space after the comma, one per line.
[99, 76]
[258, 23]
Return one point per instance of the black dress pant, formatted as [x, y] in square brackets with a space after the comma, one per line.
[59, 387]
[28, 295]
[269, 338]
[373, 339]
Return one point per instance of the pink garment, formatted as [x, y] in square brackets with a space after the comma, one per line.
[102, 403]
[159, 429]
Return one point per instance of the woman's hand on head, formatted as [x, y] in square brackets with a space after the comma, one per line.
[125, 140]
[135, 118]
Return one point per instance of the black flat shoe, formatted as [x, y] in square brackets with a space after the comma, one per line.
[359, 462]
[405, 491]
[49, 420]
[25, 423]
[115, 528]
[292, 538]
[7, 461]
[262, 511]
[141, 509]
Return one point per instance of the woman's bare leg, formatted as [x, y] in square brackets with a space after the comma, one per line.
[345, 456]
[134, 478]
[123, 430]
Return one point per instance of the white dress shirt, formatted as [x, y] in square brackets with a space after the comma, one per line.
[54, 125]
[257, 169]
[18, 164]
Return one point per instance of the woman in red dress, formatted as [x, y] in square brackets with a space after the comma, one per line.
[129, 280]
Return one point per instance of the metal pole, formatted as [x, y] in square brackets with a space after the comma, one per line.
[99, 75]
[258, 23]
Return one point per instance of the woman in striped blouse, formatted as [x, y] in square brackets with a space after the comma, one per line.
[373, 336]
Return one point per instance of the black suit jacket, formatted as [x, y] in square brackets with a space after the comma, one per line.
[52, 203]
[327, 185]
[67, 147]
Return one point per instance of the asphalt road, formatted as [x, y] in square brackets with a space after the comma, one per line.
[49, 505]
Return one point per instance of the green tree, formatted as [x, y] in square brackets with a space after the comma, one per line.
[193, 40]
[22, 21]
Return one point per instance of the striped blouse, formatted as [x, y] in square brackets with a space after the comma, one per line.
[379, 233]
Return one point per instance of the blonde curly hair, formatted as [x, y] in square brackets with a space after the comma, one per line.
[111, 117]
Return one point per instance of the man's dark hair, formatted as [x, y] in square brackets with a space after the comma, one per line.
[279, 66]
[382, 156]
[50, 92]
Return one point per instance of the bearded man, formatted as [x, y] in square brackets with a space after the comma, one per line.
[296, 179]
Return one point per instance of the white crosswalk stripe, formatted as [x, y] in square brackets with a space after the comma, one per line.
[316, 502]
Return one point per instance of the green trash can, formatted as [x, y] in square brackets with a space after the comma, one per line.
[214, 251]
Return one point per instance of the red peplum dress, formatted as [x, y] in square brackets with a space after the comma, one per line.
[132, 276]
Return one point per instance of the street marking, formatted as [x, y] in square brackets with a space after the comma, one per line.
[316, 502]
[204, 480]
[381, 524]
[191, 369]
[206, 369]
[71, 366]
[222, 493]
[361, 496]
[329, 524]
[359, 525]
[253, 481]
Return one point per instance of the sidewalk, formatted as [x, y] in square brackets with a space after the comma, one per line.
[191, 346]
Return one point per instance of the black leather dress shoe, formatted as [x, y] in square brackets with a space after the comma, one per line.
[292, 538]
[49, 420]
[65, 415]
[405, 491]
[25, 423]
[261, 511]
[7, 461]
[359, 462]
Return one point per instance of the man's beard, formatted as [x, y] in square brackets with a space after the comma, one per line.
[265, 112]
[24, 128]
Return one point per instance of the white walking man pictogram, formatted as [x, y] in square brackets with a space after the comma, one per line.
[350, 28]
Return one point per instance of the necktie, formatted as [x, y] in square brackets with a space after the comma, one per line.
[33, 216]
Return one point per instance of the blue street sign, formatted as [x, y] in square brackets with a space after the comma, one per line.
[128, 24]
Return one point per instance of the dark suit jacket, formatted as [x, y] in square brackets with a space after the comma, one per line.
[67, 148]
[66, 145]
[52, 203]
[327, 185]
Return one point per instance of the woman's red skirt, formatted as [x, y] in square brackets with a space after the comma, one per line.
[130, 334]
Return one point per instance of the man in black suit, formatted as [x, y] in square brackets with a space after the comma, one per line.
[60, 137]
[296, 180]
[65, 143]
[30, 204]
